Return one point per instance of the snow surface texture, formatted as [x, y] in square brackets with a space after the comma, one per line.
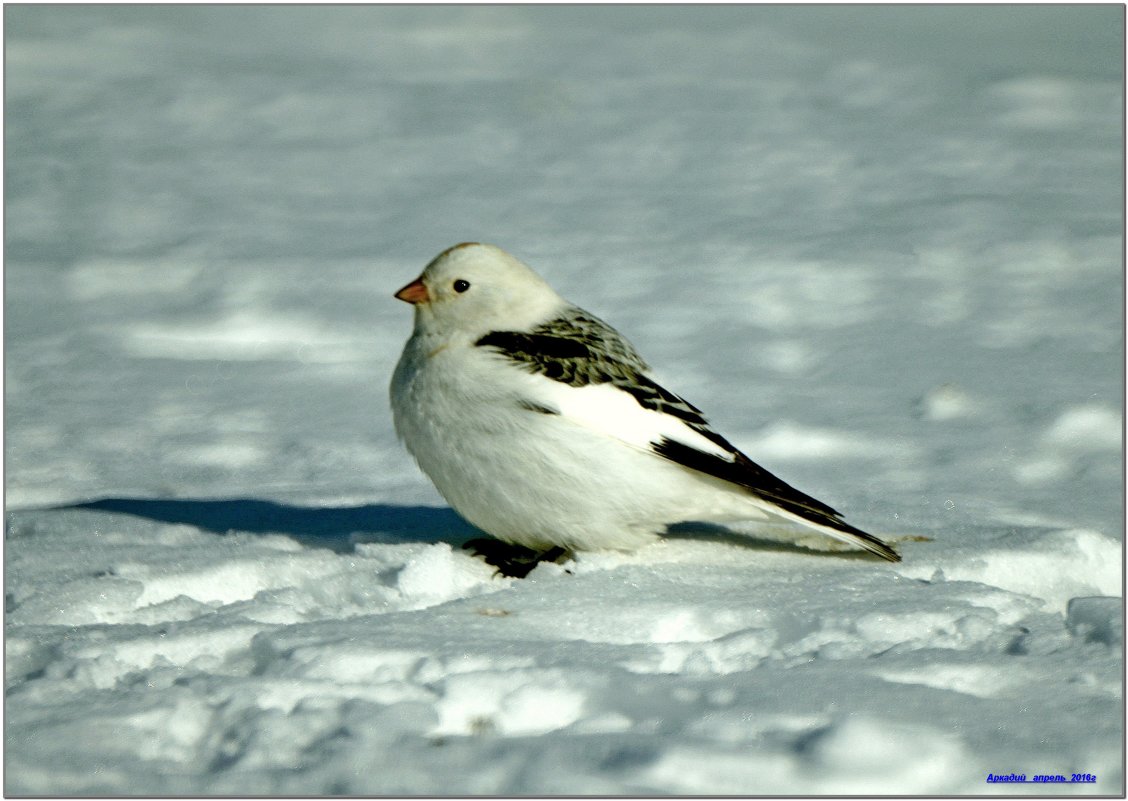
[879, 246]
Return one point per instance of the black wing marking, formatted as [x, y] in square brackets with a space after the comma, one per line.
[651, 395]
[577, 348]
[558, 358]
[746, 473]
[539, 408]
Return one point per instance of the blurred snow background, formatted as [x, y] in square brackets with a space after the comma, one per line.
[880, 246]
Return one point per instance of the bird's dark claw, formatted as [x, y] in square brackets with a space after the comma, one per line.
[515, 561]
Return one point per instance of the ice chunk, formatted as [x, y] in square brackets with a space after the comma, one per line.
[1096, 619]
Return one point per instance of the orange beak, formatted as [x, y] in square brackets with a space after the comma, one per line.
[414, 293]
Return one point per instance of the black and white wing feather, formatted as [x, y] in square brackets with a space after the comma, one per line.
[579, 351]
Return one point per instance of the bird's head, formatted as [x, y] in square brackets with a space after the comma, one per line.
[472, 289]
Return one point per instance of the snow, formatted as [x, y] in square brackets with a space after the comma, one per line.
[880, 246]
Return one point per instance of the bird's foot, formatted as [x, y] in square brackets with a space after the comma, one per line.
[515, 561]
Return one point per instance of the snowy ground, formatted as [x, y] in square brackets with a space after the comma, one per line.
[879, 246]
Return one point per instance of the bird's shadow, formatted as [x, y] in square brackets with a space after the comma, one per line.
[336, 528]
[340, 529]
[713, 532]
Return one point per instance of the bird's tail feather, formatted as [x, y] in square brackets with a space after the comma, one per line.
[843, 531]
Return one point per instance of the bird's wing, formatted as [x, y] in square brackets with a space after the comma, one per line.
[600, 382]
[575, 348]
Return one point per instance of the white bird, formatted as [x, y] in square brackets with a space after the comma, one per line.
[541, 425]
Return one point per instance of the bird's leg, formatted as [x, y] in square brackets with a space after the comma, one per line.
[515, 561]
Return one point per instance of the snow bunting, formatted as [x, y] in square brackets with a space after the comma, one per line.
[541, 425]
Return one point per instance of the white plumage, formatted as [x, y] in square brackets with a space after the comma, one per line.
[542, 426]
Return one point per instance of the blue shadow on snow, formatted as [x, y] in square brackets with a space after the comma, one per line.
[341, 528]
[338, 528]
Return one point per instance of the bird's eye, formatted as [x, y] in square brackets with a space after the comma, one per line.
[461, 286]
